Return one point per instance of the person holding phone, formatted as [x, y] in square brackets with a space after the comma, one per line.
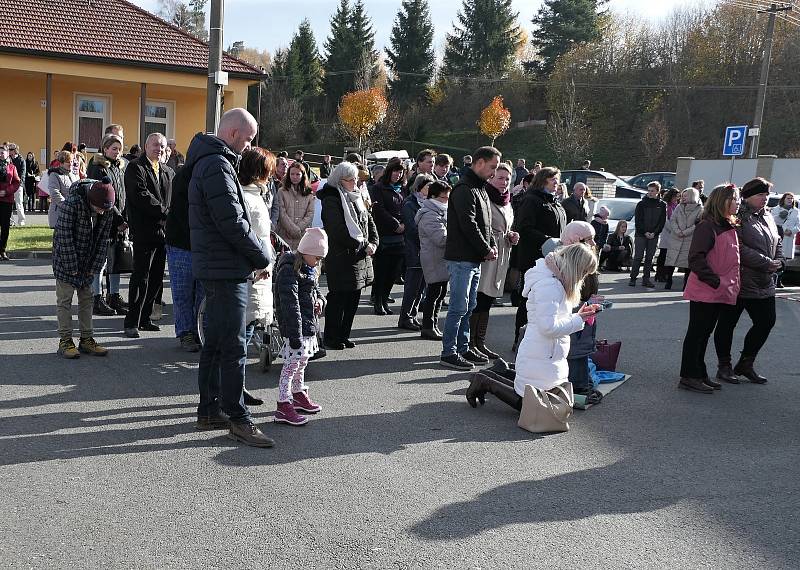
[552, 288]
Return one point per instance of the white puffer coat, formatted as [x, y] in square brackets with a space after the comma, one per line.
[542, 355]
[259, 294]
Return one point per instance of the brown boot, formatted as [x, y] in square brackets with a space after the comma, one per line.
[473, 334]
[480, 337]
[745, 368]
[725, 371]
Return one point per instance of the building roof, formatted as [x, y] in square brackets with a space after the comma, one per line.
[107, 31]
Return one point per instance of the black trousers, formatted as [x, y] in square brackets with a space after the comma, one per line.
[146, 281]
[760, 311]
[339, 314]
[703, 318]
[386, 266]
[5, 223]
[434, 296]
[483, 303]
[413, 288]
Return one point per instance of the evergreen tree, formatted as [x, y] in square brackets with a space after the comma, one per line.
[411, 52]
[559, 25]
[304, 67]
[339, 55]
[363, 37]
[484, 40]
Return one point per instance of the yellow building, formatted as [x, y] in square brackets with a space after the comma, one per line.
[72, 67]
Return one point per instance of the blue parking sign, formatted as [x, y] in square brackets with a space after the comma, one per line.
[735, 138]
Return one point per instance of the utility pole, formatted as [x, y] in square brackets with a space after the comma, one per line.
[762, 85]
[217, 78]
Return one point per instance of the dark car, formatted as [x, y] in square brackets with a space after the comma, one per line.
[666, 179]
[600, 178]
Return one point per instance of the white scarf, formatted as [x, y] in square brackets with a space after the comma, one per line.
[352, 206]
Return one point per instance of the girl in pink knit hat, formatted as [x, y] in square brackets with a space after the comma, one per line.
[298, 305]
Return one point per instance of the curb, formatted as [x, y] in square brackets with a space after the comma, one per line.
[23, 254]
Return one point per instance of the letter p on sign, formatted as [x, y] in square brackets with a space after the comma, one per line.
[735, 138]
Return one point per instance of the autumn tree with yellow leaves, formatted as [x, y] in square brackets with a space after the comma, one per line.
[361, 111]
[495, 119]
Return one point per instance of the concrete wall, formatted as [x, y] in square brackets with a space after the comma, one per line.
[784, 173]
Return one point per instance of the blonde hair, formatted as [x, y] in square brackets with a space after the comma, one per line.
[64, 157]
[575, 262]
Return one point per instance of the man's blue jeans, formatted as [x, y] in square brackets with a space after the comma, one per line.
[464, 277]
[224, 355]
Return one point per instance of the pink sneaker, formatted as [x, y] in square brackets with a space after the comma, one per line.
[303, 403]
[285, 414]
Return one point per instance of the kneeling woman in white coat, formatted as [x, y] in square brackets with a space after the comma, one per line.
[553, 288]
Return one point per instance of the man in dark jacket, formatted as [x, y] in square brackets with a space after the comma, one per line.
[225, 253]
[469, 242]
[651, 215]
[147, 188]
[576, 207]
[186, 290]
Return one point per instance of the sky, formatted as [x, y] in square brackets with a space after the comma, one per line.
[270, 24]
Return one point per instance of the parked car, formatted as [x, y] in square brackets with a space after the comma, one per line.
[666, 179]
[602, 179]
[621, 209]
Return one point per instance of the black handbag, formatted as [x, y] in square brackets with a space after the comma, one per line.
[123, 256]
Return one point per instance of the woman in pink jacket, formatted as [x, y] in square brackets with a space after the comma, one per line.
[714, 282]
[9, 185]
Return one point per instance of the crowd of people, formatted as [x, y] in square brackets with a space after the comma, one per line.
[473, 233]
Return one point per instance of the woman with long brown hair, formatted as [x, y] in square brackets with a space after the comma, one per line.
[296, 205]
[713, 285]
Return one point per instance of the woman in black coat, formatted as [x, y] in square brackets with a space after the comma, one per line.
[387, 203]
[539, 218]
[352, 240]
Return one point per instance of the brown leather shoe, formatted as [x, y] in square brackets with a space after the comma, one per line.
[248, 434]
[695, 385]
[220, 421]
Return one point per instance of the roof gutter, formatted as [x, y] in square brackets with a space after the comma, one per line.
[129, 63]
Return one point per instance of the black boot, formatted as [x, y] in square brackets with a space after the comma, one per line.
[745, 368]
[483, 383]
[725, 371]
[668, 282]
[100, 308]
[480, 337]
[116, 303]
[250, 400]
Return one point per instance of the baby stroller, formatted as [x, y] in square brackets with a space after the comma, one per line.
[266, 340]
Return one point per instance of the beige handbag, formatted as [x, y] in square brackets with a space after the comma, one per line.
[546, 411]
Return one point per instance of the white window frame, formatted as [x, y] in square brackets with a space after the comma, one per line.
[169, 122]
[76, 114]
